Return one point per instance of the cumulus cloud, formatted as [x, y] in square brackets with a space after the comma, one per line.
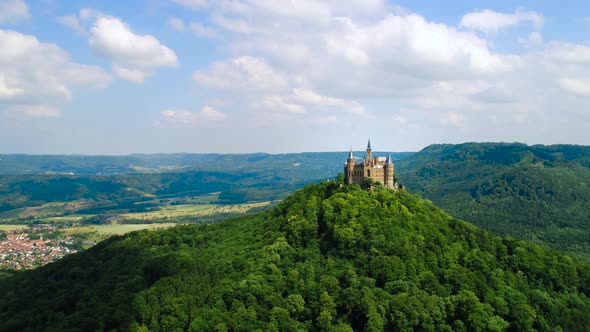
[489, 21]
[190, 118]
[245, 72]
[353, 56]
[12, 11]
[134, 56]
[43, 73]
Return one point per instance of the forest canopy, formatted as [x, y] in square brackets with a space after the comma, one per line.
[330, 257]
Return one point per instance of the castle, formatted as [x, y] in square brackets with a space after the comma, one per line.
[378, 168]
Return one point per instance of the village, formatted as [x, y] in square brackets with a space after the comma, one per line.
[27, 248]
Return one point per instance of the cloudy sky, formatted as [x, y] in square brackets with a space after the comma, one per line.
[118, 77]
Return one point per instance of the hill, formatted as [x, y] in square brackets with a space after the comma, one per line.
[327, 258]
[540, 193]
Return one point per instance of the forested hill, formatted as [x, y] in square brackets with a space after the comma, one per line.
[540, 193]
[327, 258]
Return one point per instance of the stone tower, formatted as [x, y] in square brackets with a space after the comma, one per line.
[369, 156]
[388, 180]
[349, 167]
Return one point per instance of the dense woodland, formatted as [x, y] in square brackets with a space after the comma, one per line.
[538, 193]
[329, 257]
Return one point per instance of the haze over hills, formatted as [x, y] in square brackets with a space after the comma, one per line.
[321, 163]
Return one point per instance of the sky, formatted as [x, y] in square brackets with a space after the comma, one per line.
[239, 76]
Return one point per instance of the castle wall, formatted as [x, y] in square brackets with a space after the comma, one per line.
[379, 172]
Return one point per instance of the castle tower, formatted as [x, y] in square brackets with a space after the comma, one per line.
[388, 173]
[349, 167]
[369, 157]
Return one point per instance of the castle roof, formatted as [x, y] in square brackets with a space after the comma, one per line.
[369, 145]
[350, 156]
[389, 161]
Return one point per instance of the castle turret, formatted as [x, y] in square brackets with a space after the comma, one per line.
[388, 173]
[349, 167]
[369, 157]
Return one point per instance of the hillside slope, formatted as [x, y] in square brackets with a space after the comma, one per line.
[326, 258]
[539, 193]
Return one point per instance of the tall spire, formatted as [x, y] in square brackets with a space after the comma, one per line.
[369, 145]
[350, 156]
[389, 161]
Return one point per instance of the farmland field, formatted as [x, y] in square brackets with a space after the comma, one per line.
[11, 227]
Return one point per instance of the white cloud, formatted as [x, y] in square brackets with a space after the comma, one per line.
[576, 86]
[12, 11]
[134, 56]
[489, 21]
[309, 97]
[34, 111]
[42, 73]
[6, 91]
[180, 117]
[568, 52]
[245, 72]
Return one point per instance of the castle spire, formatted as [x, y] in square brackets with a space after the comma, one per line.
[369, 145]
[350, 156]
[389, 161]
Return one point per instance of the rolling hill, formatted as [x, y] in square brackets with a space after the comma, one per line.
[329, 257]
[539, 193]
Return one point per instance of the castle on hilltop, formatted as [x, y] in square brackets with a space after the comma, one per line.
[378, 168]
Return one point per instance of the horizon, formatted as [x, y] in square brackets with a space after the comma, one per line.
[275, 153]
[197, 76]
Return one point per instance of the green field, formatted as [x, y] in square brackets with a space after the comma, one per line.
[11, 227]
[122, 229]
[175, 211]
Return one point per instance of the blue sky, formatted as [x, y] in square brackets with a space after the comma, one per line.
[235, 76]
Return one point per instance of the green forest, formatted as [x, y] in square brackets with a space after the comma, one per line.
[539, 193]
[330, 257]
